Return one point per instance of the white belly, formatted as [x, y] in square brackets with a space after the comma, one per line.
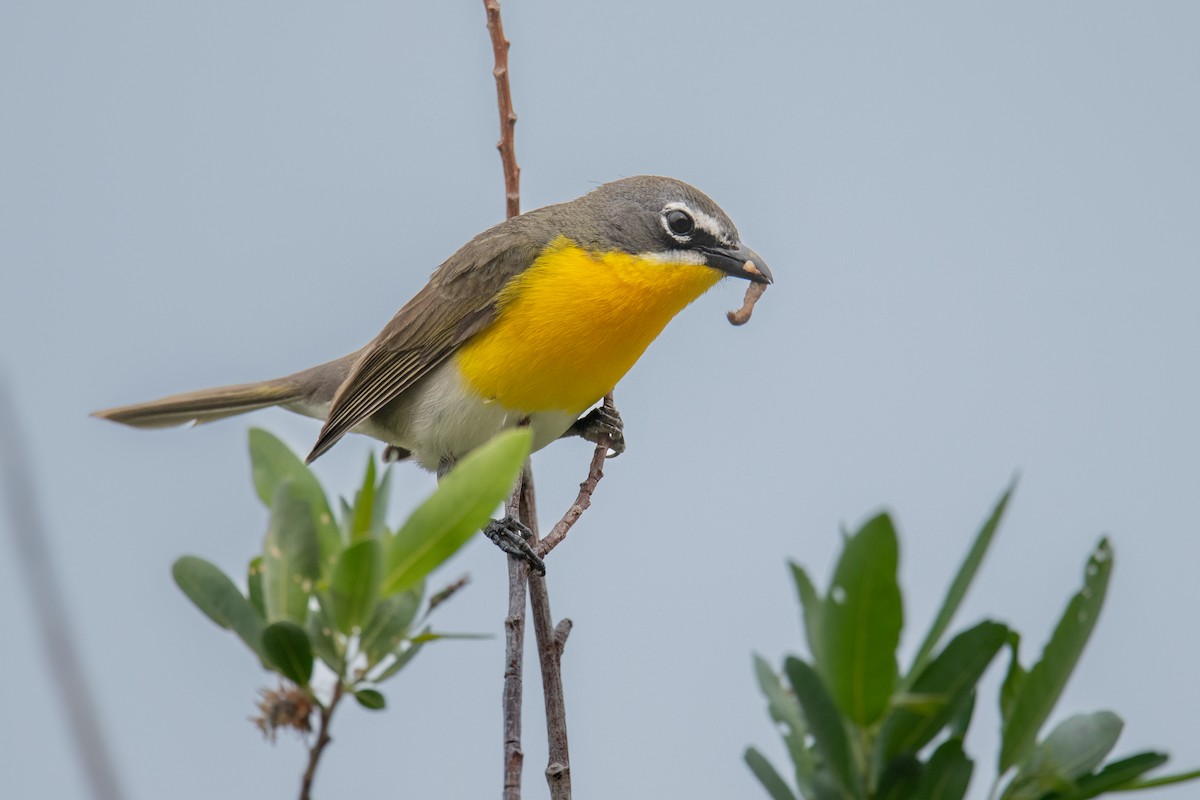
[440, 419]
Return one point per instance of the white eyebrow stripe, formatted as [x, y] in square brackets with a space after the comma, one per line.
[709, 223]
[705, 222]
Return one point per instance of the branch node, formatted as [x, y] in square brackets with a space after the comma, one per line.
[561, 631]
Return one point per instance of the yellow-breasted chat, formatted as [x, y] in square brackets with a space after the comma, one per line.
[531, 322]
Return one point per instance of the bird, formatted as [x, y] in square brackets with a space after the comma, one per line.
[531, 322]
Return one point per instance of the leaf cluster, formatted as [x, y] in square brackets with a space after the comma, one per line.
[857, 727]
[345, 589]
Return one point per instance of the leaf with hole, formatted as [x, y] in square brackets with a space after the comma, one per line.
[785, 709]
[824, 724]
[1031, 704]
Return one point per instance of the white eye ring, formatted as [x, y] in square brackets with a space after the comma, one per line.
[678, 222]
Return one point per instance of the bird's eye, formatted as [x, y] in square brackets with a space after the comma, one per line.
[680, 222]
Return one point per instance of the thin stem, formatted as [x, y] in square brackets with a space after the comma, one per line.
[551, 639]
[518, 570]
[323, 739]
[514, 647]
[36, 566]
[583, 500]
[508, 117]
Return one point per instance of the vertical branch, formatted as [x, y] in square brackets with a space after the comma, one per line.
[550, 642]
[323, 739]
[33, 553]
[514, 647]
[508, 117]
[514, 622]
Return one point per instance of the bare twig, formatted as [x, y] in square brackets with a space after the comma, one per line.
[33, 551]
[558, 765]
[323, 738]
[518, 570]
[508, 117]
[753, 292]
[514, 647]
[584, 499]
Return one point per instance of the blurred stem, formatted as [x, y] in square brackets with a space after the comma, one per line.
[37, 568]
[323, 739]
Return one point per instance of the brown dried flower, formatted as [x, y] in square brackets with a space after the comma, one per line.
[289, 706]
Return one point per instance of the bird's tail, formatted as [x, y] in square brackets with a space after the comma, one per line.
[205, 405]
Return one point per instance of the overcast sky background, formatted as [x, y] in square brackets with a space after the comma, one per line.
[985, 227]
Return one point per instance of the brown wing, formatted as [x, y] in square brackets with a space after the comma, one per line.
[458, 302]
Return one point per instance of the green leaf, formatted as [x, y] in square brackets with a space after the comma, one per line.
[1117, 775]
[1165, 780]
[767, 776]
[861, 621]
[825, 724]
[434, 636]
[400, 662]
[288, 648]
[1014, 679]
[960, 721]
[813, 610]
[960, 585]
[785, 710]
[1040, 690]
[272, 463]
[388, 626]
[321, 635]
[900, 780]
[216, 596]
[355, 586]
[462, 505]
[947, 775]
[370, 698]
[363, 517]
[380, 508]
[1076, 746]
[254, 586]
[291, 560]
[950, 679]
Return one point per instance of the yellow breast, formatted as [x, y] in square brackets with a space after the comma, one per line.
[572, 325]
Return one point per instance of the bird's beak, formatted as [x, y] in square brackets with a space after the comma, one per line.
[740, 262]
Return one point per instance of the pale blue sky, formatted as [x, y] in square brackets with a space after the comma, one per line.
[983, 222]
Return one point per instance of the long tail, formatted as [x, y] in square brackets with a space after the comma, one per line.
[205, 405]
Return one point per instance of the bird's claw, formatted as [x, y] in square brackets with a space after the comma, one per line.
[511, 536]
[601, 421]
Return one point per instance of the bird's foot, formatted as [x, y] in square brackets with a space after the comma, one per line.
[601, 421]
[511, 536]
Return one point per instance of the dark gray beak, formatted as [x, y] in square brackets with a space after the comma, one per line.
[740, 262]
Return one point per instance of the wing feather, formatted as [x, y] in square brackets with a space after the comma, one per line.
[459, 301]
